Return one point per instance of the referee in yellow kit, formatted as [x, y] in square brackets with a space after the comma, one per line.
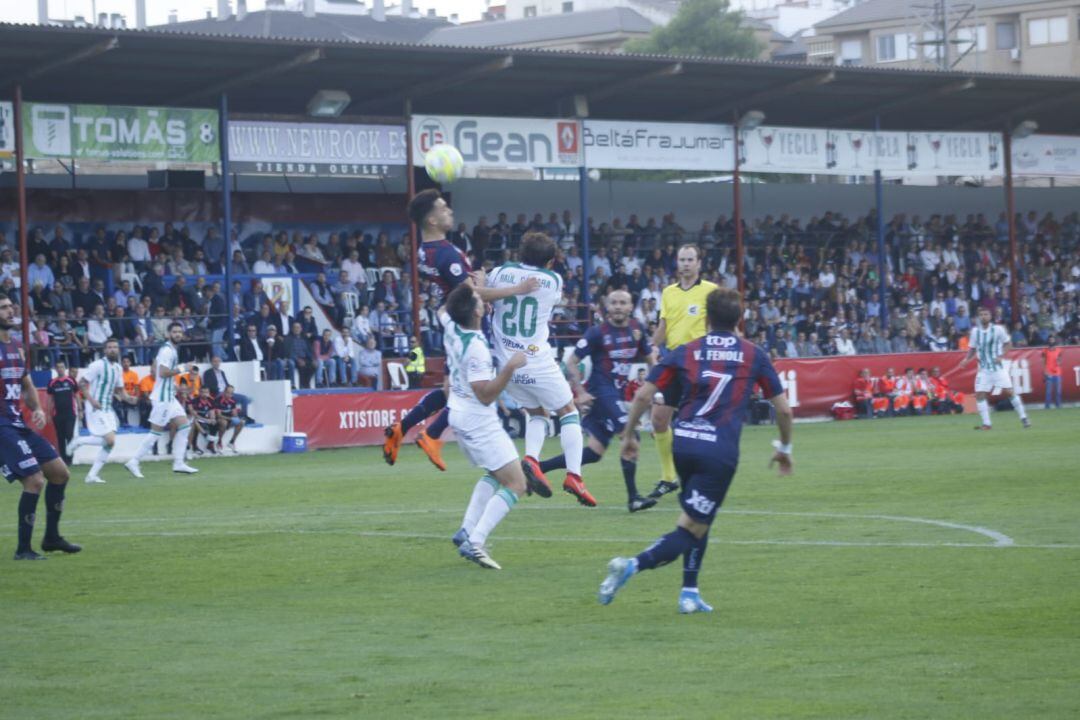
[682, 319]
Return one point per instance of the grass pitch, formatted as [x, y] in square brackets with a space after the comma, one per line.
[910, 569]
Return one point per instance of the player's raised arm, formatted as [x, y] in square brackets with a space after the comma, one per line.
[488, 391]
[784, 423]
[491, 294]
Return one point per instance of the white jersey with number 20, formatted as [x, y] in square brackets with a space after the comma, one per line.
[519, 323]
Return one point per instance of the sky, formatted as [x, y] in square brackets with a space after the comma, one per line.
[157, 11]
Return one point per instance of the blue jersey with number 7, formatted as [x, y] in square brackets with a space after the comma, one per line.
[716, 375]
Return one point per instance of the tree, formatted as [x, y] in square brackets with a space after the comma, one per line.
[701, 28]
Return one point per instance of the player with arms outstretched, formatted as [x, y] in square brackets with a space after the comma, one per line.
[24, 455]
[442, 263]
[682, 319]
[989, 343]
[100, 383]
[522, 324]
[474, 388]
[613, 346]
[717, 374]
[166, 411]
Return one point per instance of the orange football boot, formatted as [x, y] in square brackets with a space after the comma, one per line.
[392, 443]
[432, 448]
[574, 485]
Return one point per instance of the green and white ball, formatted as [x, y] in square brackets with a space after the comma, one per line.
[444, 163]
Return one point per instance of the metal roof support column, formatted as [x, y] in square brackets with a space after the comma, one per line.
[736, 199]
[414, 251]
[883, 287]
[226, 219]
[583, 195]
[20, 194]
[1010, 209]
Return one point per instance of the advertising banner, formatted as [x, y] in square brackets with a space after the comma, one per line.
[1046, 155]
[784, 150]
[7, 130]
[316, 149]
[110, 132]
[658, 146]
[814, 385]
[350, 419]
[520, 143]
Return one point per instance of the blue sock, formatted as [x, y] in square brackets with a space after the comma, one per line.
[588, 455]
[439, 425]
[666, 549]
[54, 505]
[27, 507]
[691, 561]
[430, 404]
[629, 476]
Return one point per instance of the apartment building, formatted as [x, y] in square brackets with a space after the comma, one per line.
[1036, 37]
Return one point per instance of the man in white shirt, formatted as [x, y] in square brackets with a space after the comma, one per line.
[354, 268]
[98, 330]
[138, 249]
[600, 261]
[264, 265]
[844, 345]
[474, 389]
[827, 277]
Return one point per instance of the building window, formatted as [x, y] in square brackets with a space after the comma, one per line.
[971, 39]
[891, 48]
[1048, 31]
[568, 7]
[1006, 36]
[931, 44]
[851, 52]
[530, 11]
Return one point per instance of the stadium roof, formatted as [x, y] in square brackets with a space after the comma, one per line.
[279, 76]
[873, 11]
[336, 27]
[538, 29]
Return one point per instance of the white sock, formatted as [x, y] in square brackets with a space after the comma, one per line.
[179, 446]
[1018, 406]
[535, 434]
[484, 490]
[92, 440]
[497, 508]
[148, 444]
[573, 444]
[984, 411]
[99, 461]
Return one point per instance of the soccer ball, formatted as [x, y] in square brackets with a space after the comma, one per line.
[444, 163]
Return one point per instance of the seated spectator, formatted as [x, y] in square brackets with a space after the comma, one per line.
[229, 415]
[326, 365]
[361, 325]
[369, 365]
[298, 356]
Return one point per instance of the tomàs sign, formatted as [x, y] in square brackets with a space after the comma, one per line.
[110, 132]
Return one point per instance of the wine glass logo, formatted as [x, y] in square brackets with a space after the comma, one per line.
[767, 140]
[935, 145]
[856, 140]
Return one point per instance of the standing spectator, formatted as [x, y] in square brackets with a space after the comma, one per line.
[344, 358]
[217, 318]
[64, 392]
[275, 354]
[214, 378]
[1051, 357]
[864, 394]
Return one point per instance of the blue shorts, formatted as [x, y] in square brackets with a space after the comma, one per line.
[705, 483]
[23, 452]
[604, 420]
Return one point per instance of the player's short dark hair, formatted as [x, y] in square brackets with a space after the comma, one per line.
[537, 249]
[61, 361]
[421, 205]
[723, 308]
[460, 304]
[175, 324]
[112, 340]
[692, 246]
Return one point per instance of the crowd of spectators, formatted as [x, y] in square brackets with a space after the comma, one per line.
[812, 286]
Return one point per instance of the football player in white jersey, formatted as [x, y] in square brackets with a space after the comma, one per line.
[520, 323]
[100, 383]
[474, 388]
[989, 343]
[165, 410]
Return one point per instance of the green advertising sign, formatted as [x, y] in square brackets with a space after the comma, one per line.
[110, 132]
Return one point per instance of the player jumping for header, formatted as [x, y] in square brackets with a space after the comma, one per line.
[717, 374]
[446, 267]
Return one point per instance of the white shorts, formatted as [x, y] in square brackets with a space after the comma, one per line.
[987, 380]
[162, 413]
[541, 385]
[100, 422]
[483, 439]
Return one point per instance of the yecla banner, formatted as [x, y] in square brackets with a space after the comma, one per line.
[501, 142]
[860, 152]
[7, 130]
[317, 149]
[658, 146]
[108, 132]
[1046, 155]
